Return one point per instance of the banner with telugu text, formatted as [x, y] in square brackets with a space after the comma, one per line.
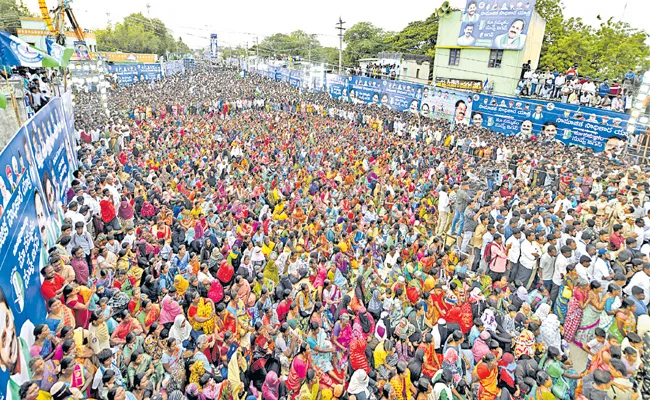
[36, 176]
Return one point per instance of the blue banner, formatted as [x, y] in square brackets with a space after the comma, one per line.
[573, 124]
[35, 180]
[495, 25]
[295, 79]
[283, 74]
[401, 96]
[213, 45]
[173, 67]
[68, 113]
[133, 73]
[336, 86]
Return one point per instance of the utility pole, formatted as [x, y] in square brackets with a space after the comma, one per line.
[257, 51]
[340, 29]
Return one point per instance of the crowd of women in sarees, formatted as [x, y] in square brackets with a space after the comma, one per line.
[253, 241]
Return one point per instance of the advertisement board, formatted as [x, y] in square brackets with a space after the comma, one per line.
[133, 73]
[213, 45]
[460, 84]
[449, 105]
[35, 179]
[574, 124]
[495, 24]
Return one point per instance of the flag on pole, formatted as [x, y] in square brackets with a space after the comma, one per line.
[61, 54]
[16, 52]
[258, 91]
[485, 84]
[242, 74]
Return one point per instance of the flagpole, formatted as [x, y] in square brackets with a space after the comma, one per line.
[13, 99]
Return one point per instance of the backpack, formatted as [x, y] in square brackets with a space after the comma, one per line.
[487, 256]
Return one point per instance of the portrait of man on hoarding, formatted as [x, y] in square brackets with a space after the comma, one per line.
[470, 14]
[467, 39]
[514, 38]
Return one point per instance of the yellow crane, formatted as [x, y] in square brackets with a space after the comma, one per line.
[55, 20]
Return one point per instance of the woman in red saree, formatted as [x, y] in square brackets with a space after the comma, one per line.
[462, 315]
[128, 324]
[439, 304]
[574, 311]
[358, 359]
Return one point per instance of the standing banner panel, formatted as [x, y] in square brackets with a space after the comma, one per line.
[36, 176]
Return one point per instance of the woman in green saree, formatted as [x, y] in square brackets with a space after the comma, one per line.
[143, 363]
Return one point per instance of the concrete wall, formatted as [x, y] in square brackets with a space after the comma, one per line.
[473, 63]
[9, 125]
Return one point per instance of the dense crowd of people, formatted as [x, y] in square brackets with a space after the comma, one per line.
[569, 87]
[230, 238]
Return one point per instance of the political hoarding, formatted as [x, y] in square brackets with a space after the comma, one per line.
[170, 68]
[449, 105]
[295, 78]
[495, 24]
[81, 50]
[213, 45]
[283, 74]
[571, 124]
[400, 96]
[133, 73]
[35, 180]
[336, 86]
[461, 84]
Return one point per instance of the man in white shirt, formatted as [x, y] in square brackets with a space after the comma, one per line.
[530, 252]
[514, 245]
[600, 270]
[467, 39]
[642, 280]
[443, 210]
[115, 195]
[561, 263]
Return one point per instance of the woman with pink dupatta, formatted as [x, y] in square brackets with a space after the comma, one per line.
[169, 310]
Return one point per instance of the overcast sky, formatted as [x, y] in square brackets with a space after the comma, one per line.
[239, 21]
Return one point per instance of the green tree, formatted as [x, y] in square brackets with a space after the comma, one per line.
[10, 13]
[616, 48]
[573, 45]
[364, 39]
[606, 51]
[556, 28]
[418, 37]
[327, 55]
[296, 44]
[139, 34]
